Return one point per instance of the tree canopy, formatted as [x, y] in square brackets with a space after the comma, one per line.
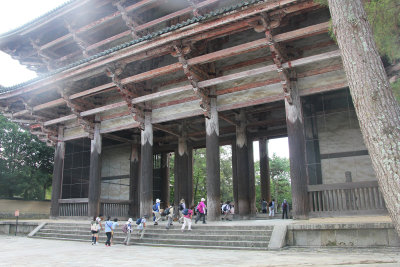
[26, 164]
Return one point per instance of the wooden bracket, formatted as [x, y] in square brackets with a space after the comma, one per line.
[193, 78]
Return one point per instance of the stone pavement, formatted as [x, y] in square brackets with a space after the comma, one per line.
[23, 251]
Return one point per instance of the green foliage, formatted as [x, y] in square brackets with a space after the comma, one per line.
[384, 16]
[396, 89]
[280, 180]
[26, 164]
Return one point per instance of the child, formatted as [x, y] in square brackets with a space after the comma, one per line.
[94, 229]
[187, 218]
[142, 226]
[114, 225]
[128, 227]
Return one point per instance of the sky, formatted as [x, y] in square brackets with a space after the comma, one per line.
[16, 13]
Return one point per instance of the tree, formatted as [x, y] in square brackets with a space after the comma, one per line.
[376, 107]
[26, 164]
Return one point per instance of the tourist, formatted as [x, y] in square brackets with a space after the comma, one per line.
[156, 210]
[201, 211]
[264, 206]
[169, 213]
[182, 206]
[108, 229]
[226, 211]
[141, 222]
[127, 229]
[272, 208]
[114, 225]
[187, 218]
[285, 208]
[94, 228]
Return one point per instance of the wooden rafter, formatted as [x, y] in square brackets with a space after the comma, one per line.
[77, 39]
[45, 58]
[129, 22]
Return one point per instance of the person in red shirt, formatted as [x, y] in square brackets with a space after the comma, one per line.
[201, 211]
[187, 218]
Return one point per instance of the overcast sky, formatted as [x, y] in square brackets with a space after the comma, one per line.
[14, 13]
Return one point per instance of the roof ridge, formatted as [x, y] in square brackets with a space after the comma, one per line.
[136, 41]
[36, 20]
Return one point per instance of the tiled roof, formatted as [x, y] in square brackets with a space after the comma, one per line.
[127, 44]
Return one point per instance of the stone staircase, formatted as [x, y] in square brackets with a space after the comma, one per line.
[201, 236]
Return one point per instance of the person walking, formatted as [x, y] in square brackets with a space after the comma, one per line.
[141, 226]
[156, 210]
[201, 211]
[108, 230]
[114, 226]
[182, 206]
[285, 208]
[127, 229]
[272, 208]
[169, 215]
[187, 219]
[264, 206]
[94, 228]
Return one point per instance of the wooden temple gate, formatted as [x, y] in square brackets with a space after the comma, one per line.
[122, 81]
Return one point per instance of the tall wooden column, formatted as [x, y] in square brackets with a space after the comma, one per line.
[264, 170]
[213, 168]
[164, 196]
[297, 154]
[57, 174]
[146, 177]
[235, 178]
[190, 198]
[182, 171]
[134, 175]
[252, 178]
[95, 172]
[242, 165]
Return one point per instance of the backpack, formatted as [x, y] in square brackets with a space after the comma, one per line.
[284, 205]
[166, 212]
[225, 208]
[139, 221]
[155, 207]
[125, 228]
[270, 204]
[180, 206]
[93, 226]
[185, 212]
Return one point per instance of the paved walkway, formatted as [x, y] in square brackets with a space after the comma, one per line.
[23, 251]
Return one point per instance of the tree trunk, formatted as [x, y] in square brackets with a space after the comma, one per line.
[377, 110]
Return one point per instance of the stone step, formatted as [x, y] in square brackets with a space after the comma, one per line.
[222, 243]
[201, 232]
[144, 243]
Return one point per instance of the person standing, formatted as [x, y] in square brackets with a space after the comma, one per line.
[156, 210]
[182, 206]
[108, 230]
[127, 229]
[264, 206]
[187, 218]
[285, 208]
[272, 208]
[115, 225]
[170, 216]
[94, 228]
[201, 211]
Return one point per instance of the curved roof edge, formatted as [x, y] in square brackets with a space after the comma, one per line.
[38, 19]
[149, 36]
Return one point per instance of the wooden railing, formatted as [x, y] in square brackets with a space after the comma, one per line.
[75, 207]
[345, 198]
[115, 208]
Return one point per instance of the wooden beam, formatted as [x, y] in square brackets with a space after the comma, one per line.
[165, 129]
[233, 122]
[118, 138]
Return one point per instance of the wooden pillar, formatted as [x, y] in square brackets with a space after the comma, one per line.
[59, 154]
[298, 174]
[190, 200]
[134, 175]
[264, 170]
[235, 178]
[95, 172]
[213, 168]
[146, 167]
[242, 165]
[181, 171]
[164, 196]
[252, 179]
